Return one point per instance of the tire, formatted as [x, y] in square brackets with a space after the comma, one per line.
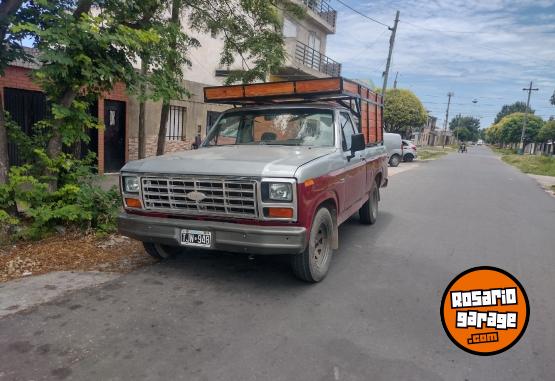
[368, 212]
[394, 160]
[408, 157]
[312, 265]
[159, 251]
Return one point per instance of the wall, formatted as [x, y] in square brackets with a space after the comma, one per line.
[196, 115]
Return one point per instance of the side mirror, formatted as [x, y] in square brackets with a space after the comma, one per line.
[357, 143]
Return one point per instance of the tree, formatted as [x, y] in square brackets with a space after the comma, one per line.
[403, 111]
[465, 127]
[10, 49]
[510, 109]
[509, 129]
[552, 99]
[547, 132]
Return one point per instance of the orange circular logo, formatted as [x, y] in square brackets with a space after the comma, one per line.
[485, 310]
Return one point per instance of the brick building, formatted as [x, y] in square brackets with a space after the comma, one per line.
[26, 103]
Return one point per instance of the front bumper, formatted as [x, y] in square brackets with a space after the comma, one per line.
[226, 236]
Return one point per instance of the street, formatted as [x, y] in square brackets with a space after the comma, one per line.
[212, 316]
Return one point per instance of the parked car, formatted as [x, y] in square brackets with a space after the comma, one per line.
[394, 147]
[268, 179]
[480, 142]
[409, 150]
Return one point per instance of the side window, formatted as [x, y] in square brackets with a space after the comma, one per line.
[347, 130]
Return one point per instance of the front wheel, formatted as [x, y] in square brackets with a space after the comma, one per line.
[312, 265]
[394, 161]
[159, 251]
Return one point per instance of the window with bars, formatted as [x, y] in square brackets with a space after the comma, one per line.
[175, 126]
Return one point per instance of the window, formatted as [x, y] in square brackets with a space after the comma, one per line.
[314, 41]
[347, 130]
[211, 117]
[289, 28]
[297, 127]
[175, 126]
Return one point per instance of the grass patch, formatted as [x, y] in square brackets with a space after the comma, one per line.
[433, 152]
[536, 165]
[503, 151]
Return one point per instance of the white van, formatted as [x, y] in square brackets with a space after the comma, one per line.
[394, 147]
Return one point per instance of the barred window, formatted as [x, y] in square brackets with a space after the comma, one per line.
[175, 126]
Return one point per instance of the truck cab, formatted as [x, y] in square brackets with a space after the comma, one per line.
[268, 179]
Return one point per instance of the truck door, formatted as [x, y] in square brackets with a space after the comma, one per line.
[355, 168]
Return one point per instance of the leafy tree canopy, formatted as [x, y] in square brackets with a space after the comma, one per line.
[510, 109]
[509, 129]
[547, 132]
[403, 112]
[466, 128]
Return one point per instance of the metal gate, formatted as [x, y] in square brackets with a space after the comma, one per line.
[26, 108]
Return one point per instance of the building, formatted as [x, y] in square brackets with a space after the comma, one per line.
[305, 43]
[26, 104]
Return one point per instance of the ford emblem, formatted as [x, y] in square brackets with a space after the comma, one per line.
[195, 196]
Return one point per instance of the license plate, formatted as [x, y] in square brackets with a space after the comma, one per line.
[197, 238]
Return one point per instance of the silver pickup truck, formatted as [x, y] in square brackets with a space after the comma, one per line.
[268, 179]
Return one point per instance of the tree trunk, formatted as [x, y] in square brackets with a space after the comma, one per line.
[162, 131]
[142, 106]
[4, 159]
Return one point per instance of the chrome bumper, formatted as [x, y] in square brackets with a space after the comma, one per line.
[226, 236]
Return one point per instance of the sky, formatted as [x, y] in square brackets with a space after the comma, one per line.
[485, 50]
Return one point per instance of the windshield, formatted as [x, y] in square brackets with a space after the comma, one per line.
[297, 127]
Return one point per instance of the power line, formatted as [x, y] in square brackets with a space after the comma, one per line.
[362, 14]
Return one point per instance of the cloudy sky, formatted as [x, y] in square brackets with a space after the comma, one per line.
[485, 50]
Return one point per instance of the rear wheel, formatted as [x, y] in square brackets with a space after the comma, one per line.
[408, 157]
[394, 161]
[368, 212]
[313, 264]
[159, 251]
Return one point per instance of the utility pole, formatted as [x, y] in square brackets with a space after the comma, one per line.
[457, 130]
[395, 82]
[391, 43]
[529, 89]
[449, 95]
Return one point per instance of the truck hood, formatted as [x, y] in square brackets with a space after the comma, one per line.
[232, 160]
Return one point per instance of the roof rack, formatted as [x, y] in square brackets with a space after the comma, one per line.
[364, 103]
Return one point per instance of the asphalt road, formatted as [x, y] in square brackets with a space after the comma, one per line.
[375, 317]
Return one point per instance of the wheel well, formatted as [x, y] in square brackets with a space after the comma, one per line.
[332, 207]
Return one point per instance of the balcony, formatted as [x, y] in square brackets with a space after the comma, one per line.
[315, 60]
[323, 10]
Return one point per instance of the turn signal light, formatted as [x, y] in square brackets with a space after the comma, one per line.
[133, 202]
[280, 212]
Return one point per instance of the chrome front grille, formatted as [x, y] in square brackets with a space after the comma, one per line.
[201, 195]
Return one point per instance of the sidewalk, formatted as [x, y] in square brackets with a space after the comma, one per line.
[547, 182]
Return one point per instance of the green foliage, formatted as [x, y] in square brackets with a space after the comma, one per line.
[466, 128]
[403, 112]
[547, 132]
[78, 202]
[511, 109]
[509, 129]
[552, 99]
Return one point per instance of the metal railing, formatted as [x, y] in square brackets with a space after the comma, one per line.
[323, 9]
[311, 58]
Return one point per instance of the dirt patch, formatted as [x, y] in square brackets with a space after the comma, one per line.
[72, 252]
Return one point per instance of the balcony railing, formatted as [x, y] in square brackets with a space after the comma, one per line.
[311, 58]
[323, 9]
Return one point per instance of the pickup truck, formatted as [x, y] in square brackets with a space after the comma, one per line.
[270, 178]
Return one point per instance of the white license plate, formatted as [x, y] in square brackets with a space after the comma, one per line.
[197, 238]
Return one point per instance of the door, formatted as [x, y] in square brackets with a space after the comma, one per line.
[355, 167]
[211, 117]
[25, 108]
[114, 135]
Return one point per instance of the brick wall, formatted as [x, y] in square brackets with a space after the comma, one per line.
[18, 78]
[151, 145]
